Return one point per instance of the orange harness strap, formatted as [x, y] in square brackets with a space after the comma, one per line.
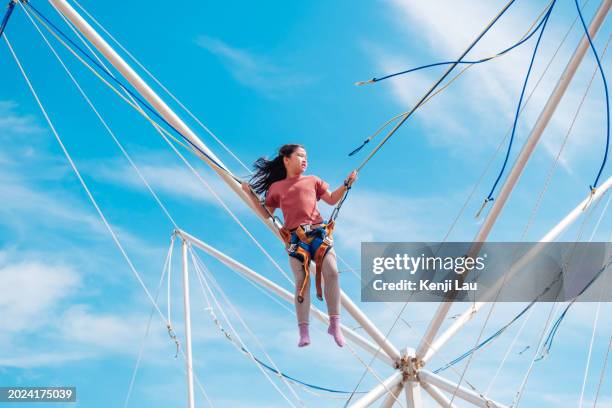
[324, 245]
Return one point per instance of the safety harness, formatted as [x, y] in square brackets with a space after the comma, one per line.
[308, 243]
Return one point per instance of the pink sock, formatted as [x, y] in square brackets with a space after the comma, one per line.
[304, 336]
[334, 329]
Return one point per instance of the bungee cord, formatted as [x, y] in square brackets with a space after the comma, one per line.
[530, 32]
[518, 109]
[162, 86]
[446, 85]
[7, 16]
[434, 86]
[605, 83]
[125, 88]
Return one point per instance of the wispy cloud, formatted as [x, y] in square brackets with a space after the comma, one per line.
[11, 121]
[259, 72]
[30, 291]
[166, 179]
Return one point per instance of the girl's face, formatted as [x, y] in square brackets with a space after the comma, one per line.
[296, 163]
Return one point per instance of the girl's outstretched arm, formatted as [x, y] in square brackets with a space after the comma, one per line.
[334, 197]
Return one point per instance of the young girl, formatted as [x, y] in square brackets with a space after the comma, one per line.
[284, 185]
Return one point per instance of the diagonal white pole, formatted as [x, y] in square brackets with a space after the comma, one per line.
[186, 303]
[392, 396]
[380, 390]
[152, 98]
[461, 392]
[437, 395]
[168, 114]
[282, 293]
[551, 236]
[519, 165]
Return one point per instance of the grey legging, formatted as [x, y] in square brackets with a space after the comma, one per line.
[331, 288]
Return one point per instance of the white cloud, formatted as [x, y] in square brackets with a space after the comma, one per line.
[30, 359]
[11, 122]
[30, 292]
[255, 71]
[166, 179]
[104, 332]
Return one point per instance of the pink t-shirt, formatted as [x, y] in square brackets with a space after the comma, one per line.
[297, 198]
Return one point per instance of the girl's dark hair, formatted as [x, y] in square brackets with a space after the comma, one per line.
[269, 171]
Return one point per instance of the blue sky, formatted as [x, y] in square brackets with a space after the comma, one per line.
[260, 75]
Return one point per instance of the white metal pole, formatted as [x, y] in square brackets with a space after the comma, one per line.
[520, 163]
[150, 96]
[413, 394]
[284, 294]
[461, 392]
[378, 391]
[437, 395]
[392, 396]
[412, 388]
[186, 303]
[551, 236]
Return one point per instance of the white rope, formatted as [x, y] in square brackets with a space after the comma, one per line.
[509, 349]
[146, 335]
[78, 174]
[233, 308]
[265, 291]
[205, 288]
[317, 327]
[88, 192]
[194, 117]
[603, 373]
[541, 341]
[169, 291]
[521, 388]
[596, 319]
[588, 362]
[110, 132]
